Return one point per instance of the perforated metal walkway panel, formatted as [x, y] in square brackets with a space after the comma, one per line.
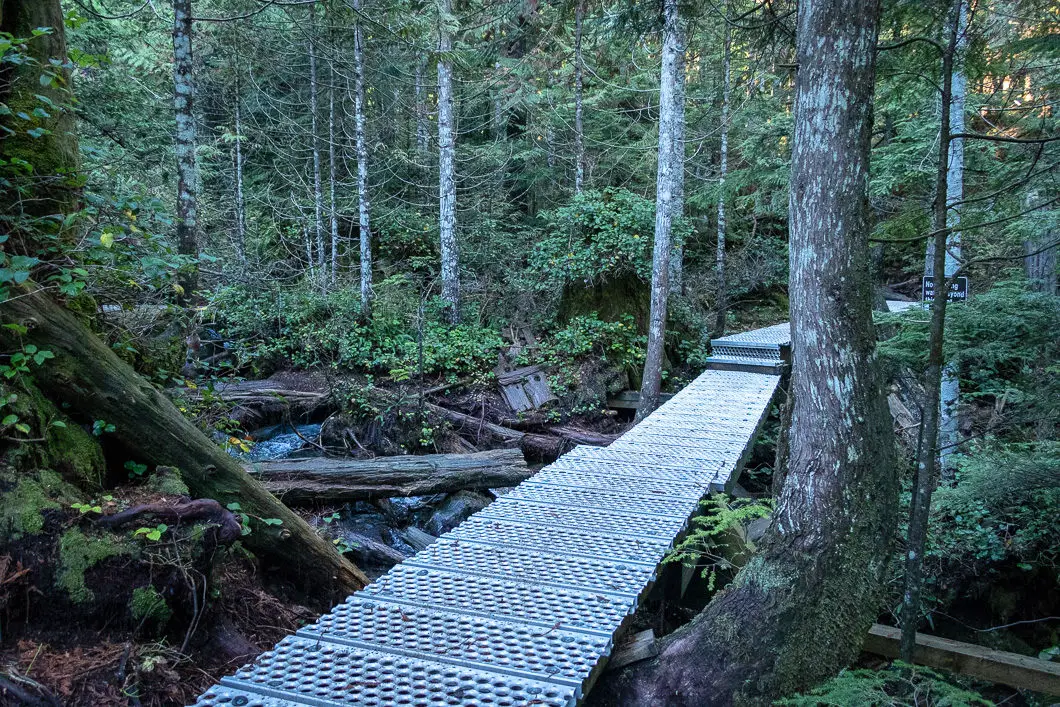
[761, 349]
[520, 604]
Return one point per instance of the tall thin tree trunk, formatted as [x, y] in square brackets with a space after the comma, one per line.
[579, 135]
[949, 420]
[318, 187]
[927, 452]
[446, 167]
[241, 207]
[677, 253]
[800, 609]
[723, 172]
[333, 206]
[364, 224]
[671, 158]
[422, 129]
[184, 145]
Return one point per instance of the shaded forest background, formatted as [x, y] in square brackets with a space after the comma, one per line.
[314, 166]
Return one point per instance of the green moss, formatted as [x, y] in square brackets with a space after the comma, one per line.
[67, 447]
[148, 606]
[79, 552]
[25, 497]
[167, 481]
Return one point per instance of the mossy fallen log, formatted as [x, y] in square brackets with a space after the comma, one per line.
[343, 480]
[96, 385]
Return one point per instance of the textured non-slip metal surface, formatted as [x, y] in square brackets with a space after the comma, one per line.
[701, 474]
[779, 334]
[519, 604]
[600, 543]
[689, 430]
[550, 654]
[534, 567]
[648, 462]
[607, 480]
[652, 526]
[544, 606]
[722, 449]
[608, 501]
[900, 306]
[318, 672]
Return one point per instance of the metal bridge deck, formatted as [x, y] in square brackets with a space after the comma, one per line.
[520, 604]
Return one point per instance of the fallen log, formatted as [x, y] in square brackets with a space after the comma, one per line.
[97, 385]
[255, 402]
[343, 480]
[536, 441]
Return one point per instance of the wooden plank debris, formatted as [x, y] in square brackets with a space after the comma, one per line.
[1013, 669]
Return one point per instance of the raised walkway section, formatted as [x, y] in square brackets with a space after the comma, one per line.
[520, 605]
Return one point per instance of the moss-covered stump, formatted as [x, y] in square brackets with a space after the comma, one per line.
[88, 377]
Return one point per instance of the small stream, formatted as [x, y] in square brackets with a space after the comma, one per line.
[282, 442]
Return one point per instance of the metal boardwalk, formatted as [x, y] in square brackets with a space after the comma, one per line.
[521, 604]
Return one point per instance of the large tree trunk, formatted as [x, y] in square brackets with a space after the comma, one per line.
[723, 172]
[345, 480]
[664, 210]
[97, 385]
[185, 144]
[800, 609]
[446, 166]
[363, 221]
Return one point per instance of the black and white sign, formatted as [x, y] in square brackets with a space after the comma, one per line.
[958, 289]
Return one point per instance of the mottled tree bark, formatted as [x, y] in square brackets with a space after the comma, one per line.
[801, 607]
[446, 167]
[723, 172]
[579, 136]
[363, 221]
[185, 144]
[668, 164]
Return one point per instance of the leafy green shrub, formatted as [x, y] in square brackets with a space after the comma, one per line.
[1003, 342]
[312, 329]
[599, 235]
[899, 685]
[1001, 516]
